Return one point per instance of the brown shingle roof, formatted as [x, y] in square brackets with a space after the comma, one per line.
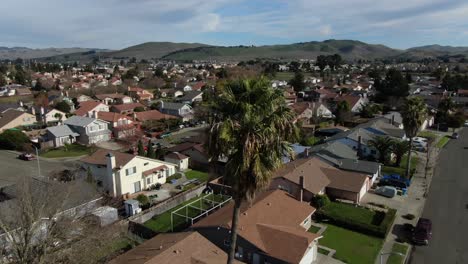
[99, 157]
[10, 115]
[168, 248]
[126, 107]
[86, 106]
[154, 170]
[111, 116]
[312, 169]
[176, 155]
[351, 99]
[345, 180]
[113, 96]
[275, 217]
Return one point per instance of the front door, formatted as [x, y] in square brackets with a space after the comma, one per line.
[137, 186]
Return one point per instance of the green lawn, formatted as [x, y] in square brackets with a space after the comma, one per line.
[286, 76]
[351, 247]
[443, 141]
[194, 174]
[162, 222]
[314, 229]
[402, 169]
[15, 99]
[174, 177]
[356, 214]
[427, 134]
[397, 259]
[73, 150]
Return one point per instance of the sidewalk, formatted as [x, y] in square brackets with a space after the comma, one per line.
[416, 199]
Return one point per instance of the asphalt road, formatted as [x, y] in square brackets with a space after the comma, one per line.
[11, 168]
[447, 207]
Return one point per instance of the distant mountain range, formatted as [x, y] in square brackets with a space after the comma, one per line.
[27, 53]
[348, 49]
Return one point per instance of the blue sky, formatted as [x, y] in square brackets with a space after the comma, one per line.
[117, 24]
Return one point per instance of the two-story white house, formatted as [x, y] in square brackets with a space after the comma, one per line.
[122, 173]
[181, 110]
[90, 130]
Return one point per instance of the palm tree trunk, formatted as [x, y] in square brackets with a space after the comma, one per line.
[235, 220]
[408, 164]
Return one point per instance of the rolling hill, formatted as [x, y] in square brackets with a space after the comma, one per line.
[27, 53]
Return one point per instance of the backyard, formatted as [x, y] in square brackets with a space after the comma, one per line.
[73, 150]
[194, 174]
[162, 223]
[402, 168]
[351, 247]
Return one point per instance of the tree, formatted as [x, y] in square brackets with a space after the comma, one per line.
[63, 106]
[58, 116]
[141, 149]
[158, 72]
[456, 120]
[222, 73]
[297, 82]
[399, 148]
[139, 109]
[250, 126]
[394, 86]
[445, 106]
[3, 82]
[342, 112]
[408, 77]
[383, 145]
[20, 77]
[150, 152]
[369, 110]
[13, 140]
[413, 113]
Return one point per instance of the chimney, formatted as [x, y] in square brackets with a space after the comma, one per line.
[33, 111]
[134, 116]
[110, 165]
[66, 93]
[95, 114]
[301, 184]
[162, 104]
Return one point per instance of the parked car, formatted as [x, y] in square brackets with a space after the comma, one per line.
[455, 135]
[387, 191]
[393, 182]
[26, 156]
[466, 124]
[422, 232]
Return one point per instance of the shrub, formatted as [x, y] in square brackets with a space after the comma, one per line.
[409, 216]
[13, 140]
[320, 201]
[143, 200]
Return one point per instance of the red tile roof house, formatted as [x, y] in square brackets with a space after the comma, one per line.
[125, 109]
[140, 93]
[273, 229]
[89, 108]
[121, 126]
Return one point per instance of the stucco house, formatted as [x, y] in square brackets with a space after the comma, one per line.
[179, 159]
[183, 111]
[87, 108]
[60, 135]
[12, 118]
[122, 173]
[115, 98]
[48, 115]
[122, 126]
[90, 130]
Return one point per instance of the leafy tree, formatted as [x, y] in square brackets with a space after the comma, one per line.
[320, 200]
[38, 86]
[155, 105]
[20, 77]
[222, 73]
[408, 77]
[445, 106]
[159, 154]
[456, 120]
[333, 61]
[251, 126]
[158, 72]
[383, 145]
[139, 109]
[143, 200]
[342, 112]
[63, 106]
[413, 113]
[297, 82]
[150, 152]
[13, 140]
[294, 66]
[454, 82]
[141, 149]
[132, 72]
[3, 82]
[399, 148]
[58, 116]
[369, 110]
[394, 85]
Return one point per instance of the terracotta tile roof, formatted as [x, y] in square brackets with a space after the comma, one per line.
[274, 218]
[127, 107]
[99, 157]
[345, 180]
[86, 106]
[152, 115]
[311, 169]
[168, 248]
[112, 117]
[176, 155]
[154, 170]
[197, 86]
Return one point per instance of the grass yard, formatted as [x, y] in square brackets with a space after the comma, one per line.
[427, 134]
[286, 76]
[402, 169]
[314, 229]
[355, 214]
[15, 99]
[443, 141]
[397, 259]
[162, 223]
[194, 174]
[323, 251]
[73, 150]
[351, 247]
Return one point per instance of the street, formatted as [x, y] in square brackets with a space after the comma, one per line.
[447, 207]
[11, 168]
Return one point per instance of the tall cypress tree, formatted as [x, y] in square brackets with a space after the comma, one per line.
[150, 153]
[141, 149]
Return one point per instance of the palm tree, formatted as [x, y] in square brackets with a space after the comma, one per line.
[59, 116]
[399, 148]
[250, 126]
[383, 145]
[413, 114]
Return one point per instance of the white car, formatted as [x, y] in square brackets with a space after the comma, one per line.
[466, 124]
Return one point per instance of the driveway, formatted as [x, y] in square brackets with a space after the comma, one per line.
[12, 168]
[447, 207]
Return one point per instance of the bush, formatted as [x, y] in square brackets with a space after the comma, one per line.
[174, 177]
[143, 200]
[347, 222]
[13, 140]
[409, 216]
[320, 201]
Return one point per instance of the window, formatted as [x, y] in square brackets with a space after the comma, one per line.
[148, 180]
[130, 171]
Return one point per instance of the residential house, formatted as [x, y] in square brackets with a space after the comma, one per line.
[121, 126]
[191, 97]
[187, 88]
[355, 102]
[169, 248]
[322, 95]
[151, 115]
[272, 229]
[183, 111]
[83, 98]
[116, 98]
[90, 130]
[179, 159]
[198, 86]
[12, 118]
[58, 136]
[177, 93]
[122, 173]
[126, 109]
[307, 110]
[47, 115]
[140, 93]
[396, 119]
[89, 108]
[196, 152]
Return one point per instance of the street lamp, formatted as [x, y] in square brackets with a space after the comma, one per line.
[390, 253]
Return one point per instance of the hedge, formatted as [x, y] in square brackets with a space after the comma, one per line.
[349, 223]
